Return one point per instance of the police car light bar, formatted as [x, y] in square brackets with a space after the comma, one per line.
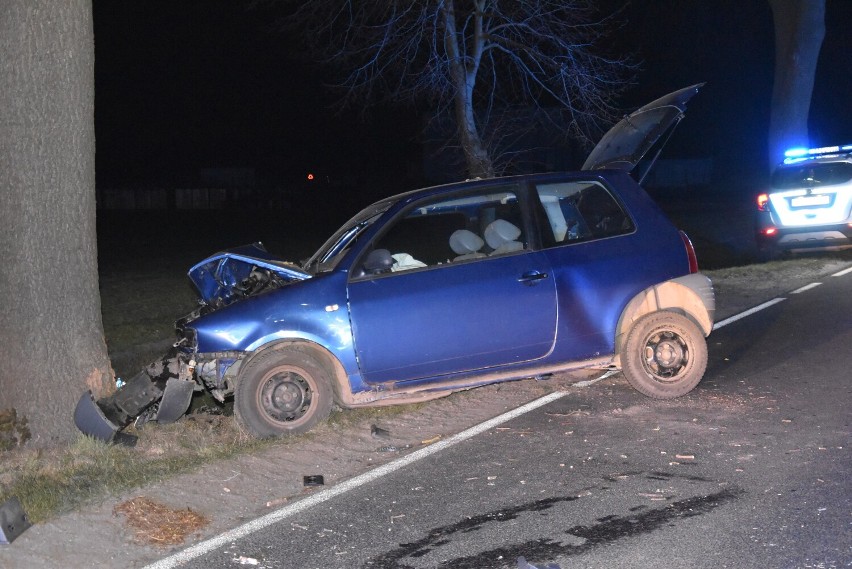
[797, 154]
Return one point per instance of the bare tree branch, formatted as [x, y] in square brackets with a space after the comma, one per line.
[473, 58]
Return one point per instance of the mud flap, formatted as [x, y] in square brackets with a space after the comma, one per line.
[175, 401]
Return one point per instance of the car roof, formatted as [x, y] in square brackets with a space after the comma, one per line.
[474, 183]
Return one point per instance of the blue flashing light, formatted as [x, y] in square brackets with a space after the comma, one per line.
[795, 152]
[798, 154]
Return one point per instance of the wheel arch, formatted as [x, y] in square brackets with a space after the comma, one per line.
[339, 380]
[691, 296]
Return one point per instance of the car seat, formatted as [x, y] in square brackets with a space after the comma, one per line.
[466, 244]
[502, 237]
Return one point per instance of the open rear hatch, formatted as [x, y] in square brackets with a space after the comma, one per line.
[626, 143]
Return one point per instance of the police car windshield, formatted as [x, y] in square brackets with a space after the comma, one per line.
[811, 175]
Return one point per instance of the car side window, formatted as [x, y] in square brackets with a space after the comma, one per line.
[448, 230]
[579, 211]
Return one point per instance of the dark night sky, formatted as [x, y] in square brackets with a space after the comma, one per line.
[193, 84]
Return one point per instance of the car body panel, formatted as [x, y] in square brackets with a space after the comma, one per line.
[453, 318]
[217, 277]
[313, 310]
[625, 144]
[597, 279]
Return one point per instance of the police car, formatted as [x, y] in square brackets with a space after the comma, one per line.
[809, 203]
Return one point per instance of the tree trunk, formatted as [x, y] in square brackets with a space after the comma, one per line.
[463, 73]
[51, 333]
[799, 31]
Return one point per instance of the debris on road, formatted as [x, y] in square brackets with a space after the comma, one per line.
[379, 433]
[157, 524]
[314, 480]
[276, 502]
[392, 448]
[522, 564]
[13, 520]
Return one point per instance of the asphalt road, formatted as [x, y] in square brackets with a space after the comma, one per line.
[749, 470]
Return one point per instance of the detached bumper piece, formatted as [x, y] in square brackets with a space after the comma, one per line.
[13, 521]
[167, 381]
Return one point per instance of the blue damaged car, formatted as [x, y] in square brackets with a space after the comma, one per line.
[443, 289]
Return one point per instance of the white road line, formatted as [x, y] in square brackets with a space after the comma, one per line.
[772, 302]
[249, 528]
[748, 312]
[590, 382]
[806, 287]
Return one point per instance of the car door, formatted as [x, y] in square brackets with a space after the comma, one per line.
[454, 310]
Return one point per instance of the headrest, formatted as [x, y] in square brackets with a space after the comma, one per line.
[499, 232]
[463, 242]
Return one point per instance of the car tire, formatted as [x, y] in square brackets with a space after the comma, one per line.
[664, 356]
[282, 391]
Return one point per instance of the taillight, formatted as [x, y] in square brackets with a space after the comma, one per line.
[763, 202]
[690, 253]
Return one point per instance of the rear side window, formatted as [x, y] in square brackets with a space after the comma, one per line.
[580, 211]
[811, 175]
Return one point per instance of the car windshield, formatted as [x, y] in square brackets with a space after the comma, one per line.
[330, 253]
[811, 175]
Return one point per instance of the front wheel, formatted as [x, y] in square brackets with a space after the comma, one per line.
[282, 391]
[664, 356]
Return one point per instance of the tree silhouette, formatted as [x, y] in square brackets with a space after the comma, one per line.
[498, 67]
[799, 31]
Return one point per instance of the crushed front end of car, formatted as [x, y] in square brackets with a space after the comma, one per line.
[162, 391]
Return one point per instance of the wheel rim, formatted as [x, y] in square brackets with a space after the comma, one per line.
[666, 355]
[285, 395]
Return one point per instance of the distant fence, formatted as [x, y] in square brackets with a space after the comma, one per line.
[172, 198]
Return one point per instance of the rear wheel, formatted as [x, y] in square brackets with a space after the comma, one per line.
[664, 356]
[282, 391]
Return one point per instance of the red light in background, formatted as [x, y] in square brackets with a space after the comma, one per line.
[310, 176]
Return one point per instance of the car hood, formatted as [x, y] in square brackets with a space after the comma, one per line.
[628, 141]
[241, 272]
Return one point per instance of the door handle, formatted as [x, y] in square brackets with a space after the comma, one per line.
[531, 277]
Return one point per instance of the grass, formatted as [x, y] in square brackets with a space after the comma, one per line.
[49, 482]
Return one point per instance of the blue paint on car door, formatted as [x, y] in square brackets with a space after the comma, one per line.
[455, 317]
